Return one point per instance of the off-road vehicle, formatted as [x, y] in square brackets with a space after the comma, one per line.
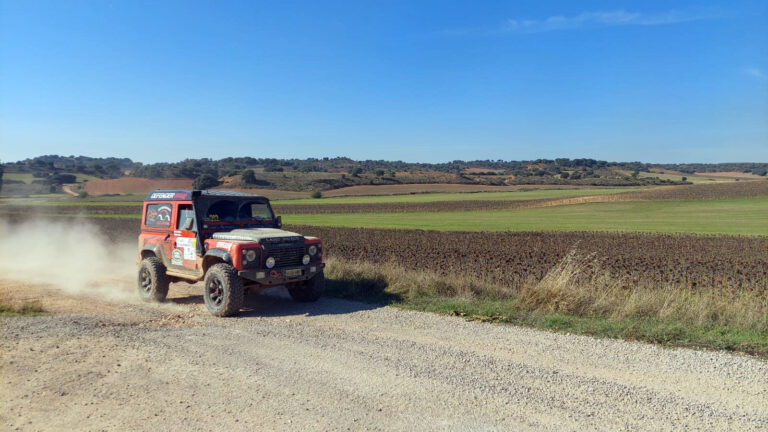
[230, 240]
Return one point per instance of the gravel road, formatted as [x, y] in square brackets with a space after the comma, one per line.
[338, 365]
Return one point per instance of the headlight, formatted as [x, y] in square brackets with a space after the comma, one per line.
[270, 262]
[313, 250]
[305, 260]
[250, 255]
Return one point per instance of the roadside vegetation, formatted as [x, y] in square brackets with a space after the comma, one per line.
[571, 297]
[9, 308]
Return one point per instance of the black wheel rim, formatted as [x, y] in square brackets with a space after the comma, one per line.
[145, 280]
[215, 292]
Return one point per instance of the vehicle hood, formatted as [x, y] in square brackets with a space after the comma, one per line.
[259, 235]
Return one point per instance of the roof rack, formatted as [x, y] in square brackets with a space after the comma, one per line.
[187, 194]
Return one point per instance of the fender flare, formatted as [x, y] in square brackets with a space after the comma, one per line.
[155, 248]
[218, 253]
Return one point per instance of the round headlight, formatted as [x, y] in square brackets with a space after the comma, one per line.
[250, 255]
[270, 262]
[305, 260]
[313, 250]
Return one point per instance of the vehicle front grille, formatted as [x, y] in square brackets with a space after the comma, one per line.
[286, 256]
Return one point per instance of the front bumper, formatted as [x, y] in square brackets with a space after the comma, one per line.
[280, 276]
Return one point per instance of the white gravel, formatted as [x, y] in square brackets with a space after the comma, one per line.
[339, 365]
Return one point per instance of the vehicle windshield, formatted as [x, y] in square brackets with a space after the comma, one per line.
[226, 210]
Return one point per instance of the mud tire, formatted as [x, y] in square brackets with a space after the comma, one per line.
[223, 290]
[152, 280]
[310, 290]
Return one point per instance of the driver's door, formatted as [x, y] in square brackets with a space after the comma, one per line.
[185, 240]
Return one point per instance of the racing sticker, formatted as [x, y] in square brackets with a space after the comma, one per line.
[187, 245]
[158, 215]
[224, 245]
[176, 257]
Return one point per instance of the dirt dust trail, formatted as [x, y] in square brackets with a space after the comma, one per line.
[104, 363]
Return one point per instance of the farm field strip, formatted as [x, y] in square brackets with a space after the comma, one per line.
[459, 196]
[745, 216]
[511, 259]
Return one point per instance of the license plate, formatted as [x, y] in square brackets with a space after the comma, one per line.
[293, 272]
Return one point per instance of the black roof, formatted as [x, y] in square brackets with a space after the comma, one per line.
[187, 194]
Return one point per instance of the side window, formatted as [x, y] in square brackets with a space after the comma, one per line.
[158, 216]
[185, 212]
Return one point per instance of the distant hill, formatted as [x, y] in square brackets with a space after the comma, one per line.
[50, 171]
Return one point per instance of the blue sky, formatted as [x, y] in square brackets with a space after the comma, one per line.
[398, 80]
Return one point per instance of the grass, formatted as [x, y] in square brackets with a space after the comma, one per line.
[746, 216]
[564, 301]
[26, 308]
[460, 196]
[28, 177]
[25, 177]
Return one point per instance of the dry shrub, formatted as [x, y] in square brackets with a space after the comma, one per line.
[577, 285]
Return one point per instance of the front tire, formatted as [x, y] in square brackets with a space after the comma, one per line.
[223, 291]
[310, 290]
[153, 282]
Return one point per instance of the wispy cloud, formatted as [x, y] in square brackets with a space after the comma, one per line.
[593, 19]
[757, 73]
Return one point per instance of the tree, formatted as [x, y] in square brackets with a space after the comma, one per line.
[316, 194]
[356, 172]
[685, 178]
[379, 173]
[249, 177]
[205, 181]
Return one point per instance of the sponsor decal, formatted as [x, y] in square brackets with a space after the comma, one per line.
[168, 195]
[187, 245]
[158, 215]
[224, 245]
[176, 257]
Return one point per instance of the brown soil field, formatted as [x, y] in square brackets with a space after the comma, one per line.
[725, 263]
[700, 191]
[129, 185]
[722, 174]
[728, 263]
[732, 174]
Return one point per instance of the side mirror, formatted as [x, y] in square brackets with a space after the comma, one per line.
[189, 223]
[279, 221]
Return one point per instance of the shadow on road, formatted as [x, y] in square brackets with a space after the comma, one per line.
[342, 297]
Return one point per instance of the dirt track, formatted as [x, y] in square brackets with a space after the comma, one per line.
[339, 365]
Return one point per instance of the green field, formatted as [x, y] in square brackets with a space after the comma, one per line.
[748, 216]
[462, 196]
[28, 177]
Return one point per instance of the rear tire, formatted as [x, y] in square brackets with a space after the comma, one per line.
[310, 290]
[152, 280]
[223, 292]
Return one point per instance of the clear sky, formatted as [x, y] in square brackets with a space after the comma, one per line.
[156, 80]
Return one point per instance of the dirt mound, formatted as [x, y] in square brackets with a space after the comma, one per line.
[130, 185]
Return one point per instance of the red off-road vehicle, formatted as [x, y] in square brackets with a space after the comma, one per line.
[230, 240]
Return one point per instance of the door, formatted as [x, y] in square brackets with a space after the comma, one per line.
[185, 240]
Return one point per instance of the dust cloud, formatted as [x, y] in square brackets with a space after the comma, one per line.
[72, 256]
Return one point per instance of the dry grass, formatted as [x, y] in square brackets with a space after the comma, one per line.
[10, 307]
[575, 292]
[576, 286]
